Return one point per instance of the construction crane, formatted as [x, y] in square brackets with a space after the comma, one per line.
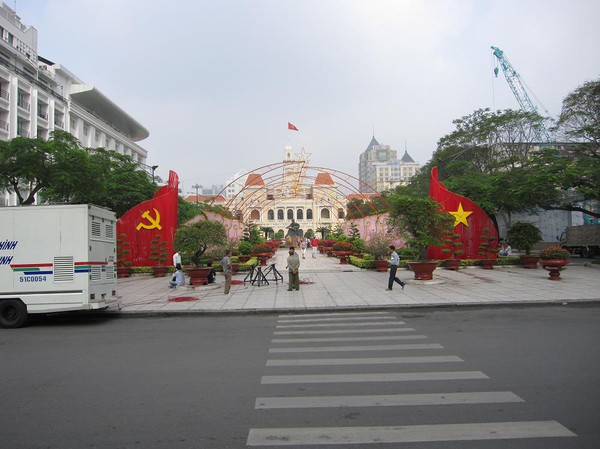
[514, 81]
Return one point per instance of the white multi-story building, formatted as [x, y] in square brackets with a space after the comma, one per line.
[380, 169]
[38, 96]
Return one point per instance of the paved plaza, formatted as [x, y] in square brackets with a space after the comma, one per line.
[328, 285]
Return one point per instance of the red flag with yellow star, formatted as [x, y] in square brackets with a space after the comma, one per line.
[470, 222]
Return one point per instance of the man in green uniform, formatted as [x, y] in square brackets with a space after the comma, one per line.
[293, 264]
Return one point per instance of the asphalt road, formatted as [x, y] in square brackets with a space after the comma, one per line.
[351, 379]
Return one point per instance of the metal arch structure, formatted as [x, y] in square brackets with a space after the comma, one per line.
[273, 176]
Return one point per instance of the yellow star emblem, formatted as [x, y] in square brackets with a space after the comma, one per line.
[460, 216]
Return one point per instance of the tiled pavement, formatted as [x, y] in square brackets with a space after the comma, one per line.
[328, 285]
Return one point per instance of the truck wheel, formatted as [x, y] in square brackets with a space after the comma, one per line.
[585, 253]
[13, 313]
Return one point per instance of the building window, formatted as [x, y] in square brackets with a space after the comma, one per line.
[340, 213]
[255, 215]
[290, 214]
[299, 214]
[309, 214]
[325, 214]
[270, 215]
[280, 214]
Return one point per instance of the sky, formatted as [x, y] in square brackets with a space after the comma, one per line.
[216, 82]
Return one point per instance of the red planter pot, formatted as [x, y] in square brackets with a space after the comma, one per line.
[198, 275]
[245, 258]
[159, 271]
[529, 261]
[554, 267]
[343, 255]
[452, 264]
[488, 264]
[381, 265]
[423, 270]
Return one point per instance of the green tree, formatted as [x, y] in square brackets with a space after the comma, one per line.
[267, 230]
[194, 239]
[27, 166]
[420, 221]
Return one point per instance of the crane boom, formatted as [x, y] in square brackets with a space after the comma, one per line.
[514, 81]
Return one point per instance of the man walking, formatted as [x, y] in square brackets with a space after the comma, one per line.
[394, 261]
[293, 264]
[314, 243]
[226, 264]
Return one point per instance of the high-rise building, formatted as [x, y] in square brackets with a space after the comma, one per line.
[38, 96]
[380, 169]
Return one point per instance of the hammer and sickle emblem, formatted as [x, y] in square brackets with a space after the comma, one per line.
[154, 222]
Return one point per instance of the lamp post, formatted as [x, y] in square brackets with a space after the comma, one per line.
[154, 167]
[196, 186]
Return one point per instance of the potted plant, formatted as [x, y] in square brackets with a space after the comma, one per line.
[263, 251]
[244, 248]
[378, 246]
[523, 236]
[343, 250]
[159, 253]
[452, 248]
[123, 251]
[194, 239]
[423, 224]
[554, 259]
[488, 249]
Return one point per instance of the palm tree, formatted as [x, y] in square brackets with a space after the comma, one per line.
[324, 230]
[268, 231]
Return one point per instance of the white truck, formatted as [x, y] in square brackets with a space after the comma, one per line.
[55, 259]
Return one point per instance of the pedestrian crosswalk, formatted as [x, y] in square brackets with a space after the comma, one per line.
[324, 357]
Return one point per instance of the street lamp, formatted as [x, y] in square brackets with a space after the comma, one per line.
[196, 186]
[154, 167]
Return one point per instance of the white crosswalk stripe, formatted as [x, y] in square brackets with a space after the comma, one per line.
[308, 331]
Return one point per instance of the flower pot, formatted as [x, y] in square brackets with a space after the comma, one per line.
[123, 272]
[529, 261]
[343, 256]
[234, 267]
[554, 267]
[452, 264]
[198, 275]
[245, 258]
[488, 264]
[159, 271]
[423, 270]
[381, 265]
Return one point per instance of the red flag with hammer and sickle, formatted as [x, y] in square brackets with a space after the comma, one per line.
[148, 228]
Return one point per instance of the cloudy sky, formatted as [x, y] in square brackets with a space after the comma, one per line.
[215, 82]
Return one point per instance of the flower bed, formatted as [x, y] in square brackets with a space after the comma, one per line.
[555, 253]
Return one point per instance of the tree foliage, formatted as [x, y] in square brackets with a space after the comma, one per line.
[194, 239]
[59, 170]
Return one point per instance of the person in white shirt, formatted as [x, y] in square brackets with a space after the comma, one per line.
[394, 261]
[176, 258]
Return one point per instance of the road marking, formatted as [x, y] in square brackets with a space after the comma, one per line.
[359, 348]
[345, 331]
[311, 320]
[376, 377]
[372, 323]
[311, 315]
[364, 361]
[332, 339]
[406, 434]
[480, 397]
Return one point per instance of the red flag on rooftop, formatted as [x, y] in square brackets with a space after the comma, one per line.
[292, 127]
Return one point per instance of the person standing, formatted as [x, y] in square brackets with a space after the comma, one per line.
[394, 261]
[176, 259]
[314, 243]
[293, 265]
[226, 264]
[303, 245]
